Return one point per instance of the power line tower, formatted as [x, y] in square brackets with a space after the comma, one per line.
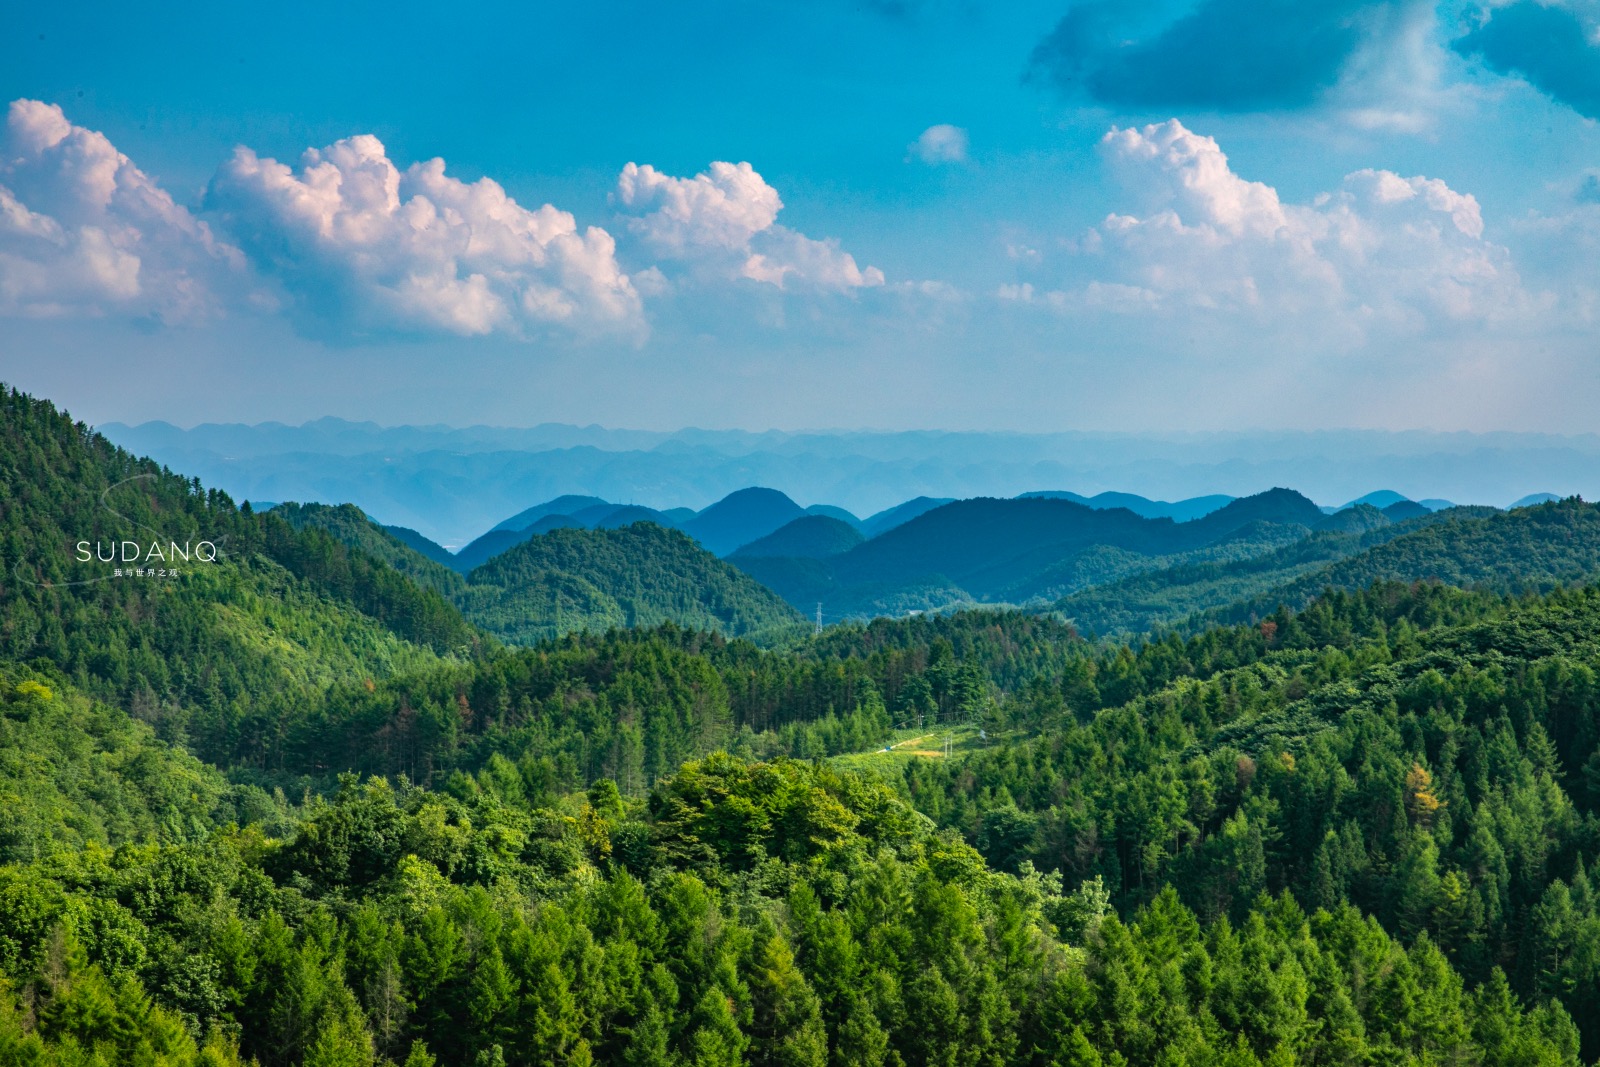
[819, 616]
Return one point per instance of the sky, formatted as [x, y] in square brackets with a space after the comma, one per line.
[892, 214]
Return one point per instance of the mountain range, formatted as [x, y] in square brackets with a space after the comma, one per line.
[454, 484]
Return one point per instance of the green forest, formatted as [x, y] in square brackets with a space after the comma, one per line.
[294, 808]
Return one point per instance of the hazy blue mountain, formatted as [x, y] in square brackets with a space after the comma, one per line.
[834, 513]
[491, 544]
[889, 518]
[452, 484]
[627, 515]
[561, 505]
[1178, 511]
[741, 517]
[1434, 503]
[1535, 498]
[1401, 510]
[1358, 518]
[808, 537]
[1020, 550]
[1380, 499]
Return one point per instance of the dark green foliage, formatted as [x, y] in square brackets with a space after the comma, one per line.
[638, 575]
[419, 544]
[219, 651]
[1030, 549]
[1528, 549]
[1439, 777]
[760, 914]
[350, 526]
[1365, 830]
[1170, 594]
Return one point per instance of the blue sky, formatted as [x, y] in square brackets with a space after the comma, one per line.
[1096, 215]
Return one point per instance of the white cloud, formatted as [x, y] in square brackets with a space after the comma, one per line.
[940, 144]
[363, 247]
[85, 232]
[723, 223]
[1381, 252]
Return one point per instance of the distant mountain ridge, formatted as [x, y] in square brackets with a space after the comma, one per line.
[1178, 511]
[993, 551]
[808, 537]
[453, 484]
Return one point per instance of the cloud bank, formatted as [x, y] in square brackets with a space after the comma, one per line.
[362, 247]
[85, 232]
[1398, 255]
[722, 223]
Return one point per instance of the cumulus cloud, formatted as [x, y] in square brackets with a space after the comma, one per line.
[1546, 44]
[722, 223]
[941, 144]
[1230, 55]
[1382, 251]
[362, 247]
[85, 232]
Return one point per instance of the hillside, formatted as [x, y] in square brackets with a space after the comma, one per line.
[351, 527]
[1372, 749]
[889, 518]
[561, 505]
[419, 544]
[638, 575]
[1178, 511]
[1169, 594]
[1528, 549]
[1021, 550]
[741, 517]
[214, 651]
[808, 537]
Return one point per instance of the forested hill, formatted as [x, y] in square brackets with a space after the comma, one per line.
[1028, 549]
[1173, 594]
[748, 914]
[350, 525]
[1529, 549]
[638, 575]
[1445, 780]
[219, 648]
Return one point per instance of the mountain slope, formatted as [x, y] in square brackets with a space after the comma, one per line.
[889, 518]
[215, 651]
[1165, 595]
[1528, 549]
[741, 517]
[638, 575]
[987, 546]
[349, 525]
[808, 537]
[1177, 511]
[420, 545]
[561, 505]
